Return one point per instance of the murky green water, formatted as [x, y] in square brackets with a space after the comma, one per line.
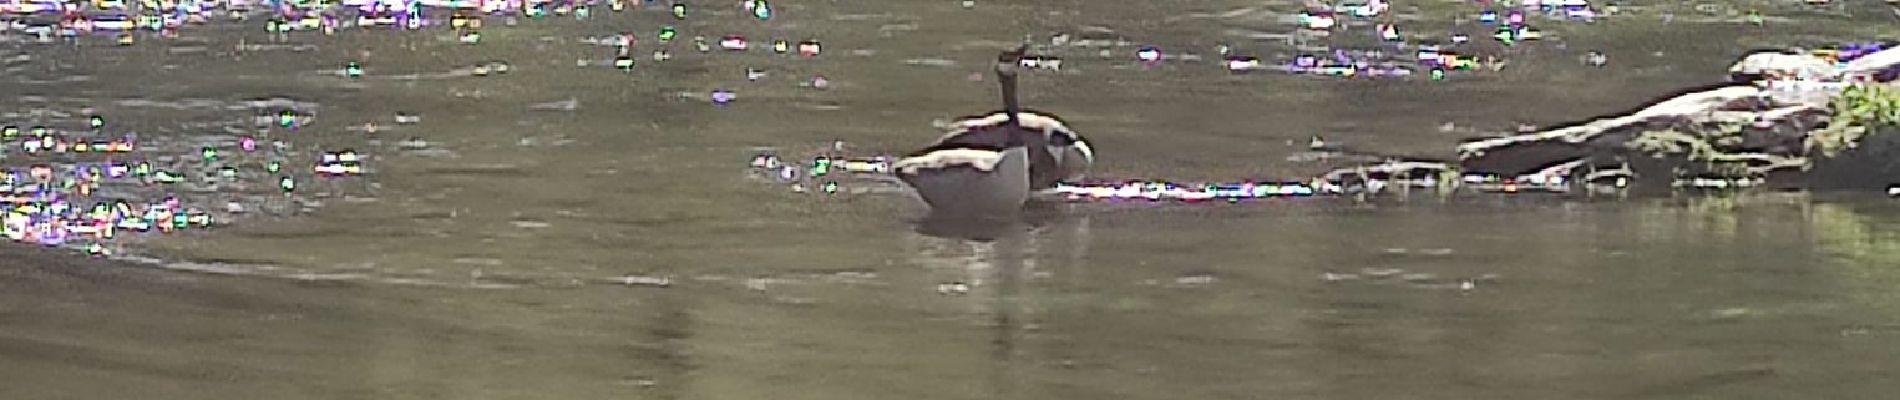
[492, 275]
[1767, 299]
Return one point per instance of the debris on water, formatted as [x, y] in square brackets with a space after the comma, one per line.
[1596, 59]
[953, 288]
[1380, 272]
[412, 144]
[563, 105]
[1731, 313]
[734, 43]
[1337, 277]
[1195, 280]
[930, 62]
[638, 280]
[1242, 63]
[1041, 63]
[525, 224]
[1148, 54]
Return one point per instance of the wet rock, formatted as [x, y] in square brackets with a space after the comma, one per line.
[1870, 166]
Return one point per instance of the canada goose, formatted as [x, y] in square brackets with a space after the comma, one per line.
[989, 166]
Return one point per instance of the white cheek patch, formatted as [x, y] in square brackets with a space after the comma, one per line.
[1088, 154]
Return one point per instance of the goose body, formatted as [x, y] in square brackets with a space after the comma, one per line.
[969, 181]
[1056, 153]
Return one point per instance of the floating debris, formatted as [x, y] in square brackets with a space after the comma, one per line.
[413, 144]
[1041, 63]
[1148, 54]
[953, 288]
[733, 43]
[652, 281]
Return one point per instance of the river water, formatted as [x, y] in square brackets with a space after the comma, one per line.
[519, 266]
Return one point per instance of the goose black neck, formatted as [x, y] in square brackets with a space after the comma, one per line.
[1010, 107]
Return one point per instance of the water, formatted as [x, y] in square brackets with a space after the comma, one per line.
[1769, 298]
[496, 273]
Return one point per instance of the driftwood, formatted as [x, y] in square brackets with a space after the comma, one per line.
[1735, 135]
[1872, 64]
[1704, 105]
[1688, 105]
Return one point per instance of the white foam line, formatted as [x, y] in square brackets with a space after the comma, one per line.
[328, 277]
[410, 282]
[207, 268]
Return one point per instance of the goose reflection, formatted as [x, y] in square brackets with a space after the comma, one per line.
[998, 274]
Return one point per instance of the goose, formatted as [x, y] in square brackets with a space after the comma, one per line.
[991, 165]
